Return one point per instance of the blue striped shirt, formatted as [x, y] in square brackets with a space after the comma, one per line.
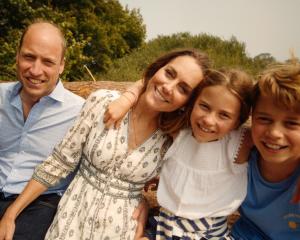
[23, 145]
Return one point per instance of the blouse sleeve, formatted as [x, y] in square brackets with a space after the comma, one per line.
[67, 154]
[174, 145]
[234, 142]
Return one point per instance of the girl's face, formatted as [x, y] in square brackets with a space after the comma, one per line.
[172, 85]
[216, 112]
[276, 132]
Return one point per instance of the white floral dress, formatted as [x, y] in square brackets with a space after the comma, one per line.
[100, 200]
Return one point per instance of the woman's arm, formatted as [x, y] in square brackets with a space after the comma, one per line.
[63, 160]
[7, 224]
[67, 154]
[118, 108]
[140, 214]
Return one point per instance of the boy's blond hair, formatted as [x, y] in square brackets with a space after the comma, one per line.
[282, 84]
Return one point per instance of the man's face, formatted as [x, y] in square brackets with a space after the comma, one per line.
[39, 61]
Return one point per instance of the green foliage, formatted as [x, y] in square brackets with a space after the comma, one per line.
[264, 59]
[224, 53]
[109, 40]
[97, 32]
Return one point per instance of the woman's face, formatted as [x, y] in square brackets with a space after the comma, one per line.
[172, 85]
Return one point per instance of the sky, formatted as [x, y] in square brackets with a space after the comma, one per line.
[265, 26]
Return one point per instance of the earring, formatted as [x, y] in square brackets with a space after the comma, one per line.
[181, 110]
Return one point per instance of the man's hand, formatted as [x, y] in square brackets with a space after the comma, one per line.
[140, 214]
[7, 227]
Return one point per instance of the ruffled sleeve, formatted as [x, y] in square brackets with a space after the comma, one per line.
[234, 141]
[176, 142]
[67, 154]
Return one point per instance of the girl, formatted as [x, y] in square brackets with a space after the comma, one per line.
[201, 184]
[113, 165]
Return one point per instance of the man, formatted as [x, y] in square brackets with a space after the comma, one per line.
[35, 113]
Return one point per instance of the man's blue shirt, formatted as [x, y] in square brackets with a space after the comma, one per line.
[23, 145]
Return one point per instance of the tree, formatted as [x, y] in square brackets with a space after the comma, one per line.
[97, 32]
[224, 53]
[264, 59]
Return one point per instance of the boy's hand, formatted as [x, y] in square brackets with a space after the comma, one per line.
[140, 214]
[296, 197]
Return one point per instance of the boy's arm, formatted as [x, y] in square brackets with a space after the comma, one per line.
[117, 109]
[296, 196]
[245, 148]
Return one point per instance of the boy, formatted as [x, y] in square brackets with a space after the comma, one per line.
[274, 165]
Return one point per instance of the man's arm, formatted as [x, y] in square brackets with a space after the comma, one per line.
[7, 224]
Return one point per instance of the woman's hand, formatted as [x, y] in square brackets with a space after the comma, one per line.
[140, 214]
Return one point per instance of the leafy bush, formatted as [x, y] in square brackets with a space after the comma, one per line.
[109, 40]
[97, 32]
[224, 53]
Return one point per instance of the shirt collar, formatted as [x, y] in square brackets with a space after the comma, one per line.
[57, 94]
[16, 89]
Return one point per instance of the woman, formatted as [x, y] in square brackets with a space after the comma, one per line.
[115, 163]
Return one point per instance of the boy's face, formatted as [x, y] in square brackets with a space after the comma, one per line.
[276, 132]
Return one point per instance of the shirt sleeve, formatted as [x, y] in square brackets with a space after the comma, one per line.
[67, 154]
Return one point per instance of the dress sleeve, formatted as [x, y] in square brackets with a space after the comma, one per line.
[67, 154]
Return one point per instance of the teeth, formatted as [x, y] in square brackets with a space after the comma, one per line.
[35, 81]
[161, 96]
[205, 129]
[273, 146]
